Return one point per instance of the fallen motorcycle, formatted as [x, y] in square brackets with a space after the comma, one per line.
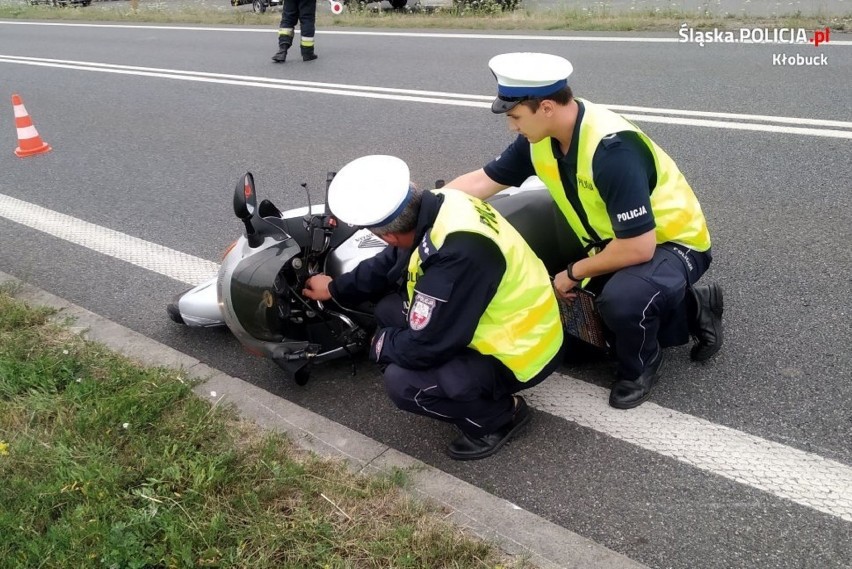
[257, 292]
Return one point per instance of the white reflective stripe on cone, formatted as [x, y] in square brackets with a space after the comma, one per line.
[20, 111]
[27, 132]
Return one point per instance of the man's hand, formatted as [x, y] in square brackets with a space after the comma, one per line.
[316, 287]
[563, 285]
[476, 183]
[618, 254]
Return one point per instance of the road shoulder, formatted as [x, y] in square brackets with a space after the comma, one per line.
[515, 530]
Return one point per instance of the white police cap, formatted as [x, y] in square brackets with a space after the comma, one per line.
[370, 191]
[521, 76]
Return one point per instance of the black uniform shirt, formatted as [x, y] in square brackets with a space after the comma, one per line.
[623, 170]
[458, 282]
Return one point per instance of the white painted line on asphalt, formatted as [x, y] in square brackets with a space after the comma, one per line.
[431, 35]
[443, 98]
[801, 477]
[93, 66]
[530, 37]
[179, 266]
[732, 116]
[804, 478]
[740, 126]
[258, 82]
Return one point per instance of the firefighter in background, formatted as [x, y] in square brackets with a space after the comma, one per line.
[304, 12]
[466, 312]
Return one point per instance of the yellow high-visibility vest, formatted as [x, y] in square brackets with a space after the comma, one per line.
[676, 210]
[521, 325]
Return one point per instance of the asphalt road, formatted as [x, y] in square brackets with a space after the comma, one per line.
[155, 155]
[724, 8]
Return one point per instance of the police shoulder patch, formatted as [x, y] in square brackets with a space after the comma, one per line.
[421, 311]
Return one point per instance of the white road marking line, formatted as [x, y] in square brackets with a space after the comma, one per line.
[431, 35]
[418, 92]
[174, 264]
[442, 98]
[733, 116]
[801, 477]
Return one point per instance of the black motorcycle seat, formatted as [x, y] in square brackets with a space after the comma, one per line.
[538, 219]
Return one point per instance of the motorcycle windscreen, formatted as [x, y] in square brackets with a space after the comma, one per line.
[259, 294]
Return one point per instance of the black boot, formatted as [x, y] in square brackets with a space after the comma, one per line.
[469, 447]
[706, 322]
[627, 394]
[308, 53]
[284, 43]
[281, 56]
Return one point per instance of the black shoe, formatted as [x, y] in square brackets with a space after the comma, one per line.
[627, 394]
[706, 327]
[280, 57]
[468, 447]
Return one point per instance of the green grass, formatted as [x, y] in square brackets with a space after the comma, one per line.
[108, 464]
[598, 17]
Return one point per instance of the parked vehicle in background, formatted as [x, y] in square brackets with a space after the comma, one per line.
[260, 6]
[60, 2]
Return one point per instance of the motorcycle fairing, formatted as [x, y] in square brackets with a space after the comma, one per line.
[243, 279]
[258, 294]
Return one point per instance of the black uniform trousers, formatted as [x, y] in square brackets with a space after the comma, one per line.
[646, 307]
[302, 11]
[471, 390]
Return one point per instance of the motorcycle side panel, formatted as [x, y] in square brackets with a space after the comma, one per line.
[232, 267]
[199, 306]
[535, 215]
[360, 246]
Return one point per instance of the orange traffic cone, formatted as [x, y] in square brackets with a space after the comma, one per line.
[29, 142]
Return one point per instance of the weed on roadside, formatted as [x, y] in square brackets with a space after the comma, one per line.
[106, 463]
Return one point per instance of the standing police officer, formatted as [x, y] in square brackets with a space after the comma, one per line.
[304, 12]
[467, 315]
[645, 234]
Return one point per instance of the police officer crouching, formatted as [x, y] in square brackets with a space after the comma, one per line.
[626, 200]
[466, 312]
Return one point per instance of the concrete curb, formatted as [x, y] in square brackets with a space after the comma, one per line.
[515, 530]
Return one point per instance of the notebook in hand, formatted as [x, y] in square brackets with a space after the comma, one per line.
[580, 318]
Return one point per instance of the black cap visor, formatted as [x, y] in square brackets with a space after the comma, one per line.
[501, 105]
[504, 103]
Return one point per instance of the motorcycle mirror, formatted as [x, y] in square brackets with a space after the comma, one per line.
[245, 204]
[245, 199]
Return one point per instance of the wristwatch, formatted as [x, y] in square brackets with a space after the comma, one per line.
[570, 271]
